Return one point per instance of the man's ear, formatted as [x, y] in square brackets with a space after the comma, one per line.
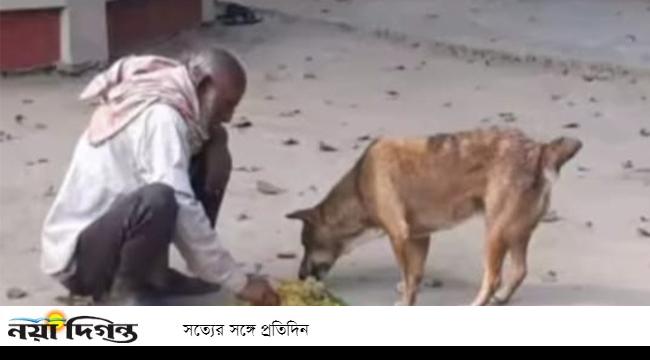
[204, 87]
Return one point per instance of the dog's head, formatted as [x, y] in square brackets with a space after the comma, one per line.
[320, 244]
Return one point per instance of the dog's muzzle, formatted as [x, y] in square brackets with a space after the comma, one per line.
[318, 271]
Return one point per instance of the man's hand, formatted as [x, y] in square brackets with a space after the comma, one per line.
[259, 292]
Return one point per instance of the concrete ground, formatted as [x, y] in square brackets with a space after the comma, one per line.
[313, 81]
[614, 32]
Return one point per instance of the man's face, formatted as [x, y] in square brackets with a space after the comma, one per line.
[220, 99]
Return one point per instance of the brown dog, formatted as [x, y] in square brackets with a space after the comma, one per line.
[411, 187]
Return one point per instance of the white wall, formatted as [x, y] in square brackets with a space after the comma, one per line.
[84, 37]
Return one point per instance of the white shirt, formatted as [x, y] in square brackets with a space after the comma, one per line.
[152, 148]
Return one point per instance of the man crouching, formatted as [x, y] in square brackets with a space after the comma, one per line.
[128, 193]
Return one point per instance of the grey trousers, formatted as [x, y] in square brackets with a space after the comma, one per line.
[127, 248]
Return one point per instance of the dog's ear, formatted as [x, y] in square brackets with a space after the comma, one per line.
[559, 151]
[306, 215]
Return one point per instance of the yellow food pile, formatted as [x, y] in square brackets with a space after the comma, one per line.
[306, 293]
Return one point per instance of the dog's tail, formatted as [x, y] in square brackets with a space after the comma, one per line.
[557, 152]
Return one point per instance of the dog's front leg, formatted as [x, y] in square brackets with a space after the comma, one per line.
[417, 249]
[402, 287]
[391, 215]
[398, 234]
[413, 253]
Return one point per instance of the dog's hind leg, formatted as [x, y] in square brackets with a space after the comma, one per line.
[511, 218]
[519, 231]
[493, 261]
[518, 268]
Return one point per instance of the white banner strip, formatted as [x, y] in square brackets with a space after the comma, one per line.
[373, 325]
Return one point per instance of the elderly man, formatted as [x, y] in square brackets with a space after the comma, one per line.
[150, 170]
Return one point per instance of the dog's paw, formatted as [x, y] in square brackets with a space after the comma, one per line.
[401, 302]
[499, 300]
[478, 302]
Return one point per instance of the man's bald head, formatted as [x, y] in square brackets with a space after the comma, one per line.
[220, 81]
